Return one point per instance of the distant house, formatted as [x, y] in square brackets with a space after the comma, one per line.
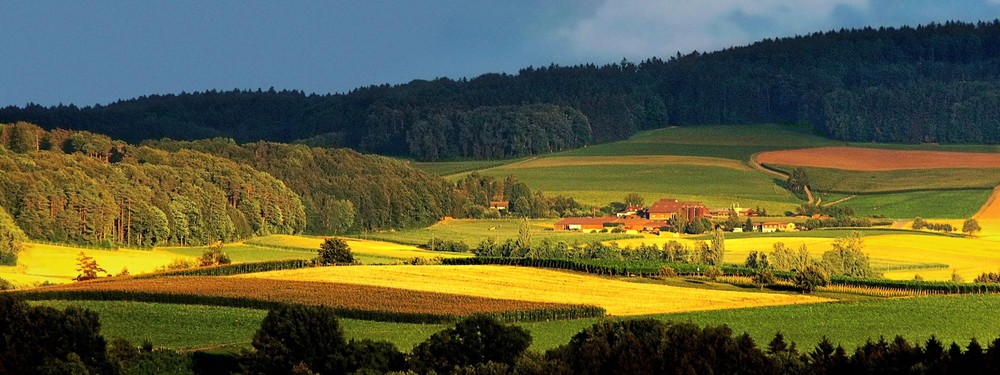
[500, 205]
[724, 212]
[668, 208]
[775, 226]
[631, 211]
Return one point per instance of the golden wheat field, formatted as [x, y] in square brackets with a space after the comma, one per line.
[565, 161]
[540, 285]
[57, 264]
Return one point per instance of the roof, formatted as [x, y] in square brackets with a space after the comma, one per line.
[499, 203]
[628, 222]
[670, 205]
[775, 223]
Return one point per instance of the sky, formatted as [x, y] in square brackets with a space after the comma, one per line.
[96, 52]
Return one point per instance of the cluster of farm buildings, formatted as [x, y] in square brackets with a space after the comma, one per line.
[661, 216]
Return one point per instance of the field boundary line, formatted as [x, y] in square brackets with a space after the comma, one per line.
[755, 164]
[989, 202]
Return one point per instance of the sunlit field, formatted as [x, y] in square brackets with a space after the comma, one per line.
[58, 264]
[531, 284]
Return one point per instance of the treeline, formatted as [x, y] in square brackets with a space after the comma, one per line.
[475, 192]
[932, 83]
[341, 190]
[85, 188]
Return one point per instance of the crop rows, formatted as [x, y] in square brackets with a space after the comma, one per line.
[349, 300]
[234, 269]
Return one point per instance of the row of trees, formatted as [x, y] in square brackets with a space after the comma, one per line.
[932, 83]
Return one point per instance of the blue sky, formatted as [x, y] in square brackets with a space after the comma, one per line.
[87, 52]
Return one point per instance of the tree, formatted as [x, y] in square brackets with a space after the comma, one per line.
[798, 180]
[295, 334]
[214, 256]
[848, 257]
[11, 239]
[40, 338]
[717, 252]
[335, 251]
[971, 226]
[634, 199]
[764, 277]
[88, 268]
[810, 278]
[475, 340]
[524, 236]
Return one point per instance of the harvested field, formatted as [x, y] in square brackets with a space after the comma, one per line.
[377, 249]
[331, 293]
[873, 159]
[55, 264]
[540, 285]
[566, 161]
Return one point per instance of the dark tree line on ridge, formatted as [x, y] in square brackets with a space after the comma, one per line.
[932, 83]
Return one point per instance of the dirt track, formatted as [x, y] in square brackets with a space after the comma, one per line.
[872, 159]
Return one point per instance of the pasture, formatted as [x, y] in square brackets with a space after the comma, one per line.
[947, 204]
[472, 232]
[540, 285]
[58, 264]
[598, 185]
[950, 318]
[854, 182]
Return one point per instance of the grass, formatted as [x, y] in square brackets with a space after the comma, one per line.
[855, 182]
[472, 232]
[541, 285]
[186, 327]
[952, 204]
[172, 325]
[951, 318]
[722, 141]
[444, 168]
[241, 252]
[601, 184]
[365, 251]
[58, 264]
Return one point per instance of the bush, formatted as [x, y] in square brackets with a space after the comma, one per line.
[667, 271]
[473, 341]
[6, 285]
[764, 277]
[214, 256]
[437, 244]
[178, 264]
[335, 251]
[39, 339]
[712, 272]
[988, 277]
[810, 278]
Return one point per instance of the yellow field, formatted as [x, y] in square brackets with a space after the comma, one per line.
[360, 246]
[970, 257]
[540, 285]
[57, 264]
[565, 161]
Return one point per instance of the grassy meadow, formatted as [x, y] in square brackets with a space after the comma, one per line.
[40, 263]
[472, 232]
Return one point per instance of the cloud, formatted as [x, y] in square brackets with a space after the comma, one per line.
[642, 28]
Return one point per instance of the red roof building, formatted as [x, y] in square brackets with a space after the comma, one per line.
[668, 208]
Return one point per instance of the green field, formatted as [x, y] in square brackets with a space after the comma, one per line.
[950, 318]
[472, 232]
[444, 168]
[950, 204]
[854, 182]
[722, 141]
[246, 253]
[601, 184]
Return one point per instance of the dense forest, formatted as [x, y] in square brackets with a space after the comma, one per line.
[85, 188]
[933, 83]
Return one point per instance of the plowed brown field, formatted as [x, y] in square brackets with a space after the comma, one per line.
[873, 159]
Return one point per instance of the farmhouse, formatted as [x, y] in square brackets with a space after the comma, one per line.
[631, 211]
[724, 212]
[500, 205]
[774, 226]
[668, 208]
[589, 224]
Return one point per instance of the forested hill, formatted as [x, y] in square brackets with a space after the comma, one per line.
[934, 83]
[81, 187]
[341, 189]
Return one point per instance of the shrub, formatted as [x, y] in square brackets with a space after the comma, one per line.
[6, 285]
[335, 251]
[667, 271]
[178, 264]
[988, 277]
[810, 278]
[764, 277]
[712, 272]
[214, 256]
